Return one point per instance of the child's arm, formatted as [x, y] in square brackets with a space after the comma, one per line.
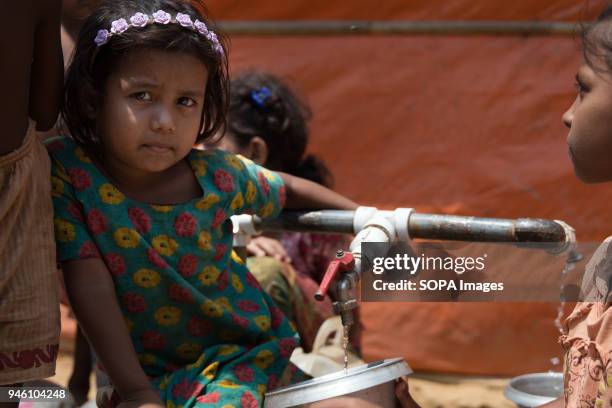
[47, 76]
[92, 296]
[302, 194]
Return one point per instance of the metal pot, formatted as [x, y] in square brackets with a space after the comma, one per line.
[373, 382]
[533, 390]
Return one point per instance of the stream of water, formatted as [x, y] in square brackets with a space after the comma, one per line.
[345, 342]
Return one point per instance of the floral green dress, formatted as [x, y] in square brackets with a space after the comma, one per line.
[204, 330]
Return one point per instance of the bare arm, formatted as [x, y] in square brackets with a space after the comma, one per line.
[92, 296]
[302, 193]
[47, 77]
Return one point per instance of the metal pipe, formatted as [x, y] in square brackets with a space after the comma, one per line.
[404, 27]
[426, 226]
[474, 229]
[333, 221]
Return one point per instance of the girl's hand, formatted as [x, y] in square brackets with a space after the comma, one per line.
[402, 393]
[264, 246]
[344, 402]
[145, 399]
[142, 403]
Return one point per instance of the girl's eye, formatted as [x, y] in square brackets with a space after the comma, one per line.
[185, 101]
[580, 88]
[142, 96]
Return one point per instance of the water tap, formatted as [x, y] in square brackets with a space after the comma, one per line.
[343, 287]
[344, 271]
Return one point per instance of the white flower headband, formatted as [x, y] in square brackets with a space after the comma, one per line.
[159, 17]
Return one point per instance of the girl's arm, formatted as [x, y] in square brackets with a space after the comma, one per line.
[302, 194]
[47, 75]
[92, 296]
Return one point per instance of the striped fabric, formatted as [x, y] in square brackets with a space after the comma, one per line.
[29, 291]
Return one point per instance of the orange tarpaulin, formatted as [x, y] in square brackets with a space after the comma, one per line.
[559, 10]
[447, 124]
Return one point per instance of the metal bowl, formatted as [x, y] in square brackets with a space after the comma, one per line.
[532, 390]
[373, 382]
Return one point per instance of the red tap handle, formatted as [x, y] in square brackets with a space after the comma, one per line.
[344, 263]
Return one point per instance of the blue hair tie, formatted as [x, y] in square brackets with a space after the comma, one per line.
[259, 96]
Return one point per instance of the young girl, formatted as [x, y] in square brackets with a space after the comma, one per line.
[142, 219]
[588, 329]
[31, 78]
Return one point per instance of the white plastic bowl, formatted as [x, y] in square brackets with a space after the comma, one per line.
[533, 390]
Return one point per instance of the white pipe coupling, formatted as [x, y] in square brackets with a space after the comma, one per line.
[401, 216]
[377, 229]
[243, 229]
[362, 216]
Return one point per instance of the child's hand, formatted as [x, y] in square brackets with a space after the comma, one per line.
[144, 399]
[402, 393]
[344, 402]
[140, 404]
[264, 246]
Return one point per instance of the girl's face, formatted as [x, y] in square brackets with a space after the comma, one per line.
[589, 120]
[150, 115]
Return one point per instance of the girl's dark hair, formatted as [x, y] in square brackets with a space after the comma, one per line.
[261, 104]
[597, 40]
[91, 65]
